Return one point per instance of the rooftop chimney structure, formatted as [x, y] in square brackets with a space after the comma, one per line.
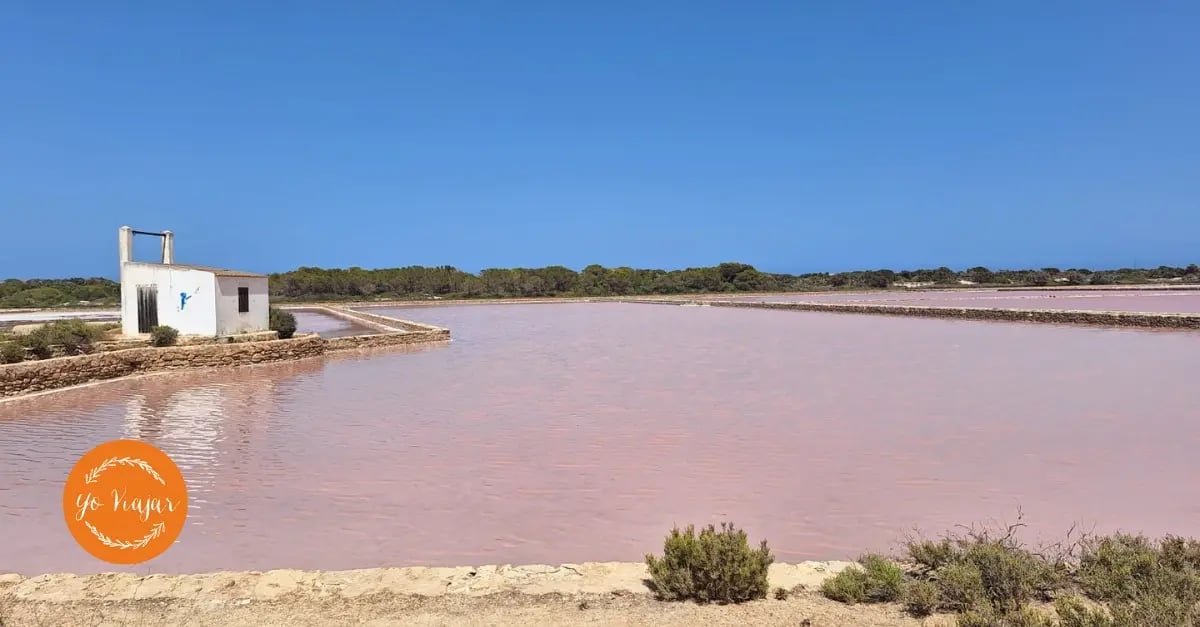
[168, 247]
[125, 244]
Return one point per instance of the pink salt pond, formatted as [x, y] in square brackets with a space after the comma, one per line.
[574, 432]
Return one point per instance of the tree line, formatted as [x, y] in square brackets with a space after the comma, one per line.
[57, 292]
[449, 282]
[419, 282]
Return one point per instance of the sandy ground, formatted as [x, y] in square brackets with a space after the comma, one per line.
[591, 593]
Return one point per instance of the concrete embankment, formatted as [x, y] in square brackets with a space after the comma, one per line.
[29, 377]
[597, 593]
[1046, 316]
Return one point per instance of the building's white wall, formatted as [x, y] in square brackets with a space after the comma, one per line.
[198, 316]
[229, 320]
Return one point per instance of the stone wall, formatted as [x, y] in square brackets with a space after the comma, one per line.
[126, 343]
[384, 324]
[253, 336]
[395, 323]
[48, 374]
[362, 320]
[1050, 316]
[386, 339]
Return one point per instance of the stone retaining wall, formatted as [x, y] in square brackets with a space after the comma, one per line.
[385, 324]
[394, 323]
[364, 320]
[47, 374]
[1050, 316]
[386, 339]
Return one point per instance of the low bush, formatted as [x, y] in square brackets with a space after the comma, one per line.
[1011, 575]
[885, 579]
[1180, 553]
[1156, 608]
[11, 351]
[74, 336]
[37, 345]
[961, 587]
[930, 555]
[875, 579]
[1023, 617]
[1145, 582]
[712, 567]
[990, 579]
[282, 322]
[1110, 566]
[848, 586]
[986, 570]
[921, 598]
[1150, 610]
[1073, 612]
[163, 335]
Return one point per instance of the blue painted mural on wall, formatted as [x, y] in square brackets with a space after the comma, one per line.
[184, 297]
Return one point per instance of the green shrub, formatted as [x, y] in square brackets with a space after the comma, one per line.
[961, 587]
[11, 351]
[716, 566]
[37, 344]
[848, 586]
[1110, 566]
[990, 578]
[1011, 575]
[1029, 617]
[921, 598]
[885, 580]
[986, 570]
[1145, 583]
[163, 335]
[875, 579]
[1156, 608]
[1023, 617]
[1180, 553]
[977, 618]
[1072, 612]
[74, 336]
[929, 554]
[282, 322]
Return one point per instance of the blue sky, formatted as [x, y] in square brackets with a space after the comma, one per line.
[795, 136]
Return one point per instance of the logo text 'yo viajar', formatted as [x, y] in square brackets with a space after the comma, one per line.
[125, 502]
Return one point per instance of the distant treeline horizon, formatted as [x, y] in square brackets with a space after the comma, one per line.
[421, 282]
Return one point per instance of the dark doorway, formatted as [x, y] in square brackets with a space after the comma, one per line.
[147, 299]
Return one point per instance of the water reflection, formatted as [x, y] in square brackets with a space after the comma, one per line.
[187, 425]
[209, 422]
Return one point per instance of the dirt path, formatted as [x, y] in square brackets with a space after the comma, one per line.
[592, 593]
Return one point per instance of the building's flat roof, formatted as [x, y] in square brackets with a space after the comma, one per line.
[209, 269]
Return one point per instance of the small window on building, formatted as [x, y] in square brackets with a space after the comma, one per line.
[243, 299]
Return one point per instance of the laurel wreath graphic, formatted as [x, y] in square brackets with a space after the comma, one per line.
[155, 531]
[93, 475]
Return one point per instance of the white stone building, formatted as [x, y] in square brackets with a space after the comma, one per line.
[195, 300]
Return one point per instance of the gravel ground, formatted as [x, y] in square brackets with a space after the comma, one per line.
[591, 593]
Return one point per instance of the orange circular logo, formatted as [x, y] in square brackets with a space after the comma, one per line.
[125, 502]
